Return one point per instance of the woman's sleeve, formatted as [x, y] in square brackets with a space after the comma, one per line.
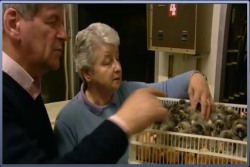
[176, 87]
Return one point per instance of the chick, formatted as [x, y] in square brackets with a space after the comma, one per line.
[220, 107]
[167, 105]
[230, 119]
[241, 149]
[217, 115]
[245, 139]
[182, 102]
[172, 114]
[229, 110]
[177, 115]
[243, 115]
[197, 129]
[219, 125]
[172, 156]
[240, 121]
[183, 115]
[212, 145]
[156, 125]
[227, 134]
[195, 117]
[188, 110]
[208, 129]
[183, 127]
[156, 155]
[239, 131]
[223, 147]
[190, 158]
[176, 107]
[168, 125]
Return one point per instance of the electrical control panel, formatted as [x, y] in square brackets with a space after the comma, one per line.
[179, 28]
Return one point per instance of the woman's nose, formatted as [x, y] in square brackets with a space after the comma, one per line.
[117, 66]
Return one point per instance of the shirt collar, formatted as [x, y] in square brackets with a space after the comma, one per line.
[14, 70]
[94, 108]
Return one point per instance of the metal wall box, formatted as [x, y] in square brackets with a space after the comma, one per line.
[179, 28]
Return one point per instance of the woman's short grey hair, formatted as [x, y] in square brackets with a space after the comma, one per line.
[27, 10]
[87, 39]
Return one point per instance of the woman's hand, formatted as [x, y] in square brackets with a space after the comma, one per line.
[199, 92]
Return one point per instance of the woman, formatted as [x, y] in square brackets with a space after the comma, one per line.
[103, 91]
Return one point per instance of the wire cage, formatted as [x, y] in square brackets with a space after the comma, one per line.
[153, 146]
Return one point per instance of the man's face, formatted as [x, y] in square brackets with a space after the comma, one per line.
[106, 73]
[42, 38]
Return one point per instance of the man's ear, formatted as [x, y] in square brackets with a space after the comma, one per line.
[11, 23]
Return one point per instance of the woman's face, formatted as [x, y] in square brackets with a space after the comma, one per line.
[106, 73]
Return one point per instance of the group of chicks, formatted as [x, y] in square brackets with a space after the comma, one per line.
[224, 121]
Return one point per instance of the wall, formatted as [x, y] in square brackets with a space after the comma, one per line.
[210, 63]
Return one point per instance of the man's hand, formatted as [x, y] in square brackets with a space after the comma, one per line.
[141, 109]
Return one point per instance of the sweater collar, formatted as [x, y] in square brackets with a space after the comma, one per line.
[96, 109]
[15, 71]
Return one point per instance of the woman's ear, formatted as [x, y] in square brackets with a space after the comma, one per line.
[11, 23]
[86, 75]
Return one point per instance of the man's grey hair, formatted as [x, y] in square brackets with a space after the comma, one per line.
[87, 39]
[27, 10]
